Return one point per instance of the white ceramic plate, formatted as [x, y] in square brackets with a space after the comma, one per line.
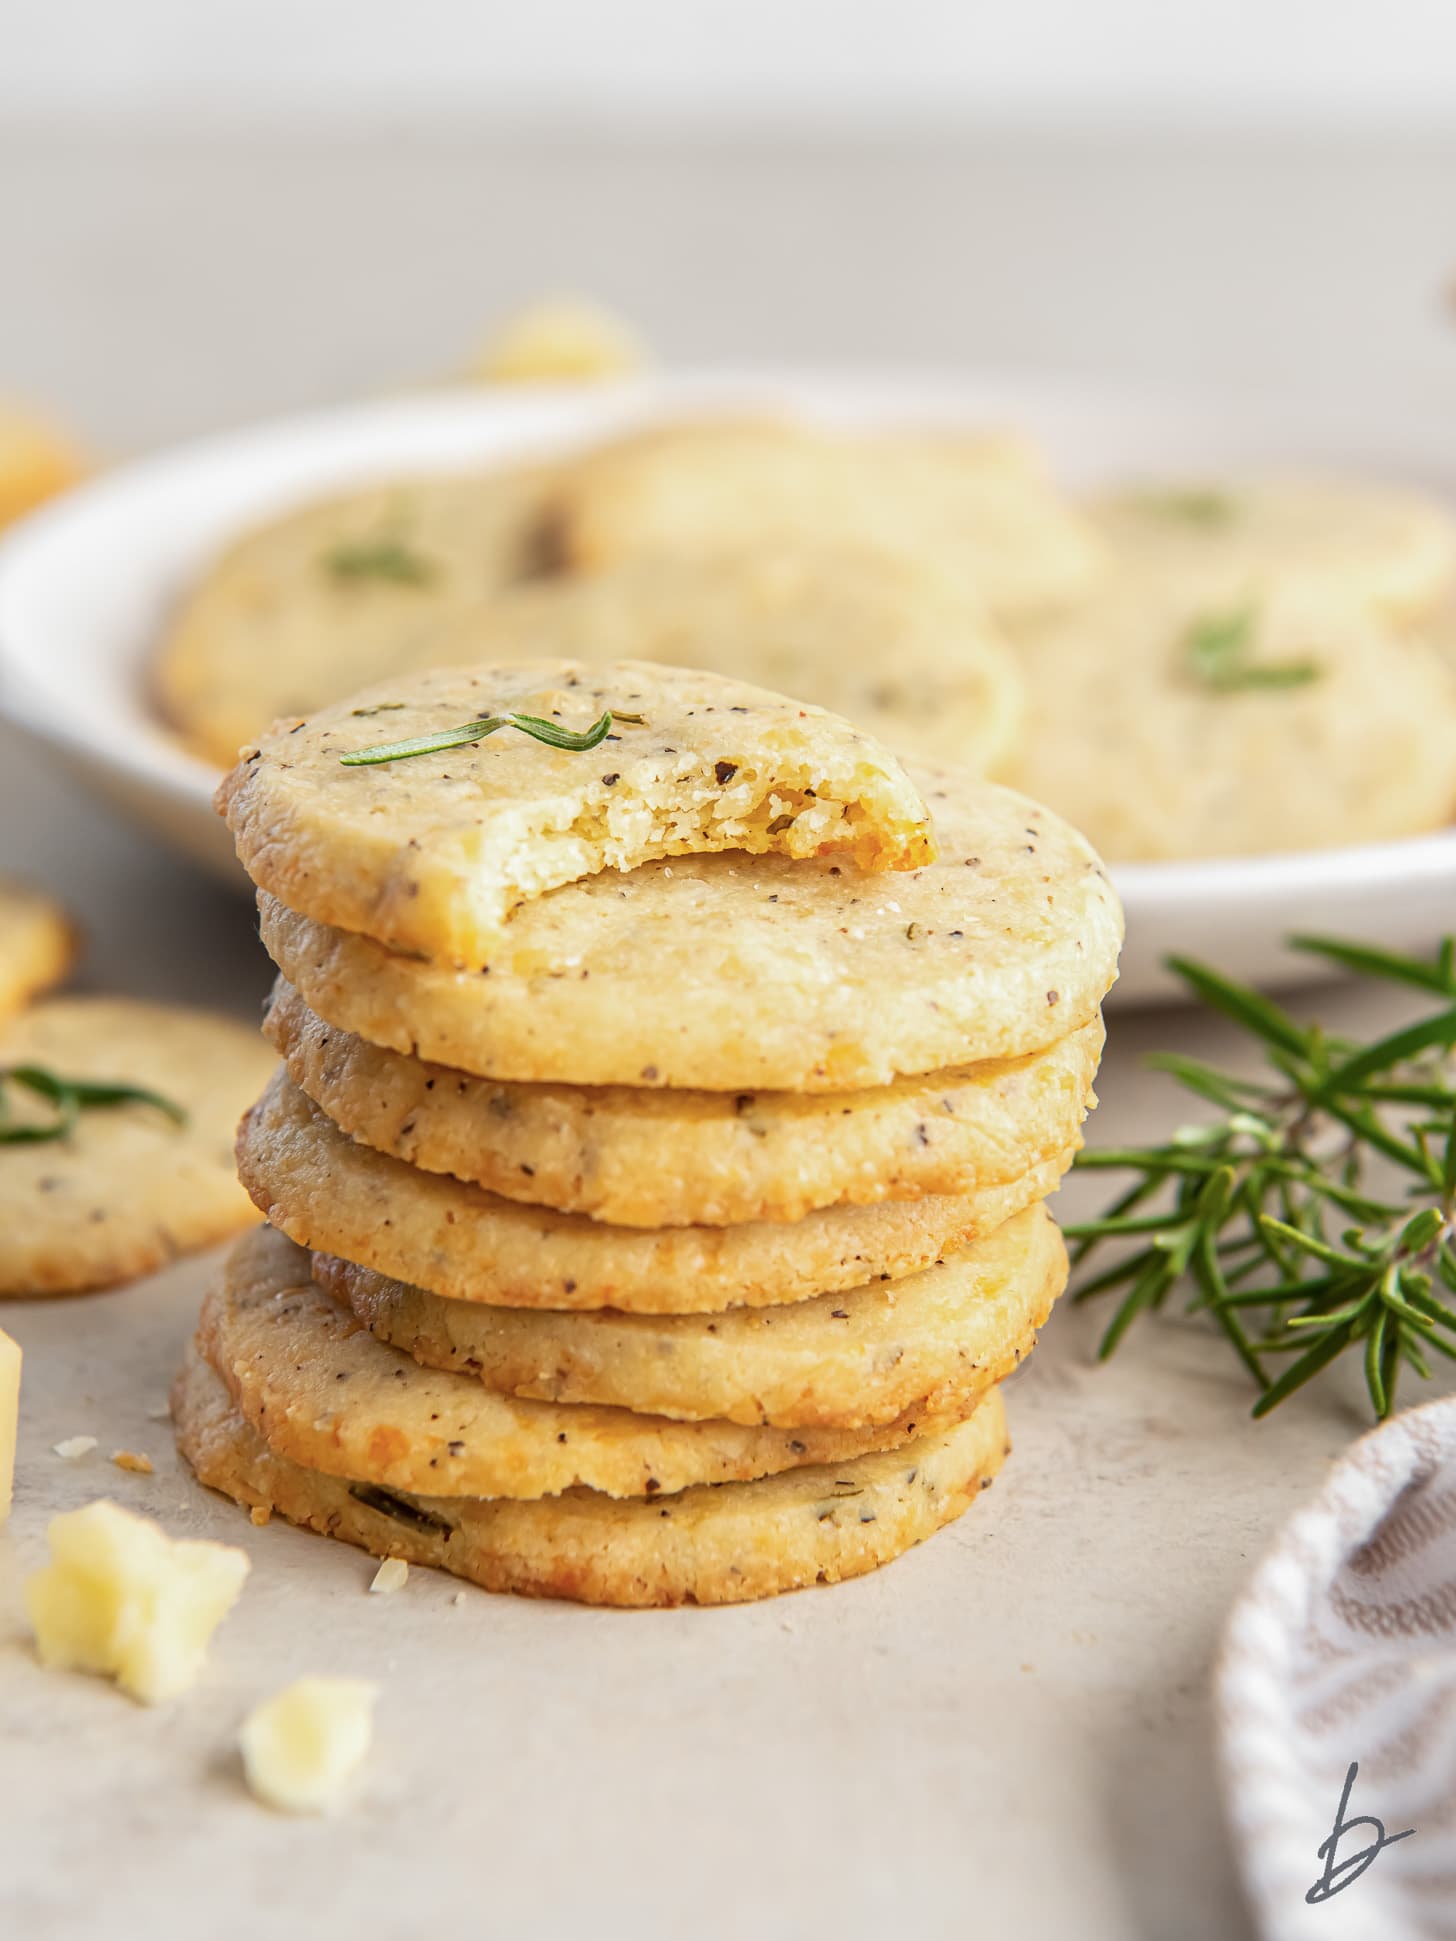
[85, 584]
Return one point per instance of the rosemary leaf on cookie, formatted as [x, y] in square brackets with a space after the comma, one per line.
[381, 558]
[549, 732]
[1218, 652]
[68, 1098]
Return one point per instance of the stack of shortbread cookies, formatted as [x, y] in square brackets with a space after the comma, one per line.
[656, 1167]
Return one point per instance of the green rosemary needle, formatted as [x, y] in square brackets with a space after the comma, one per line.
[67, 1098]
[1191, 505]
[549, 732]
[1315, 1214]
[1217, 651]
[380, 558]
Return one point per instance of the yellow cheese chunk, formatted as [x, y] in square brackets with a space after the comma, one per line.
[302, 1746]
[563, 340]
[122, 1598]
[9, 1418]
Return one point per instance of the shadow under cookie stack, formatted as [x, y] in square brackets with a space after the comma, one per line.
[674, 1252]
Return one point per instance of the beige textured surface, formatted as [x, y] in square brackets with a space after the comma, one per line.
[328, 1193]
[871, 1354]
[637, 1156]
[765, 973]
[37, 944]
[983, 501]
[723, 1545]
[322, 1391]
[1352, 542]
[129, 1189]
[279, 625]
[434, 853]
[898, 640]
[1363, 752]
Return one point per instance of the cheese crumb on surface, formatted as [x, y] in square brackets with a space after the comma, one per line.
[74, 1447]
[302, 1746]
[9, 1418]
[122, 1598]
[392, 1575]
[129, 1459]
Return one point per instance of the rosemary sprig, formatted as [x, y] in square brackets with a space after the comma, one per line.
[67, 1099]
[1217, 651]
[1316, 1212]
[383, 557]
[1191, 505]
[533, 725]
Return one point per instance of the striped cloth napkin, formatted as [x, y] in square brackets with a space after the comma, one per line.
[1341, 1653]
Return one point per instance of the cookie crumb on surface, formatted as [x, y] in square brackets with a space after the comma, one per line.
[74, 1448]
[392, 1575]
[139, 1465]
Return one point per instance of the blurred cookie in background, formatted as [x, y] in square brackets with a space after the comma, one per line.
[116, 1139]
[338, 594]
[1164, 728]
[1358, 542]
[983, 502]
[896, 641]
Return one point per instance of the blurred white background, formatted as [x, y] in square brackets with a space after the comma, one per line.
[830, 63]
[219, 209]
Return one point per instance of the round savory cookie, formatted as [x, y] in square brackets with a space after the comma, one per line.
[927, 1345]
[327, 1192]
[431, 853]
[1350, 542]
[1168, 731]
[334, 595]
[898, 641]
[36, 461]
[324, 1392]
[636, 1156]
[736, 974]
[983, 502]
[37, 945]
[131, 1185]
[709, 1545]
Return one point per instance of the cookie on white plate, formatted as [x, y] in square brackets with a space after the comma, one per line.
[332, 596]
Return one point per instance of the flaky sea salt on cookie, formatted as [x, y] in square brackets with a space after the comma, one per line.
[718, 1544]
[404, 816]
[137, 1104]
[37, 944]
[322, 1391]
